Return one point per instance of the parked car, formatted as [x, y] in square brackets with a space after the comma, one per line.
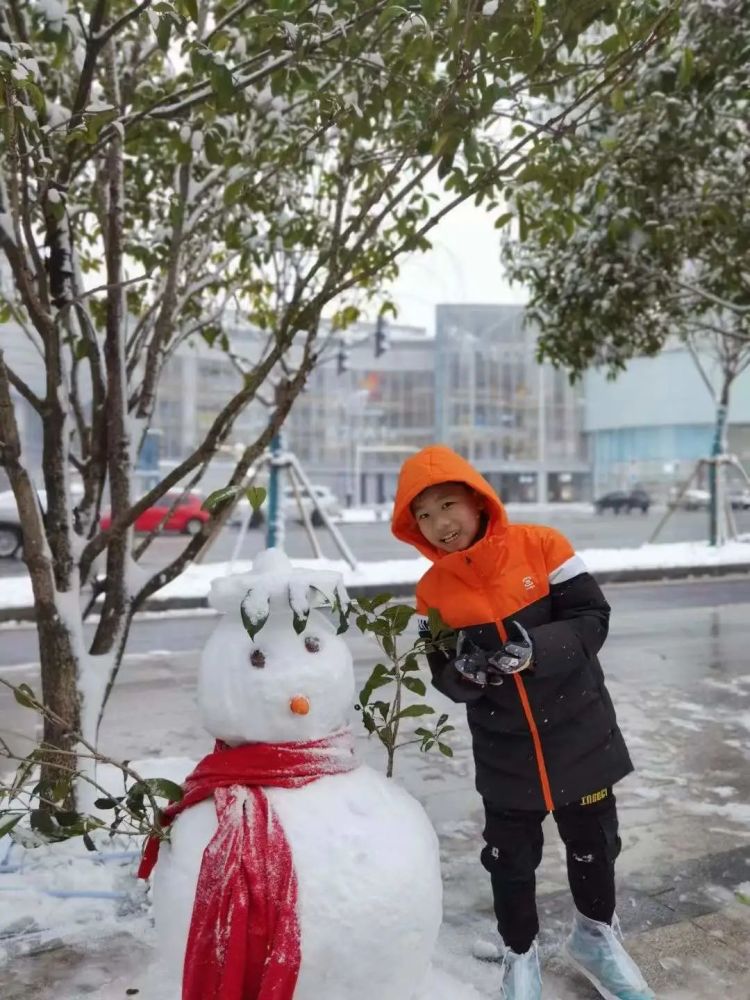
[186, 518]
[740, 499]
[693, 499]
[620, 500]
[10, 525]
[11, 536]
[324, 498]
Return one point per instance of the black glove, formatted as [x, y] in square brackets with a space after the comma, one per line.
[516, 655]
[472, 663]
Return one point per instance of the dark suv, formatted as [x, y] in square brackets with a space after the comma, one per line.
[619, 500]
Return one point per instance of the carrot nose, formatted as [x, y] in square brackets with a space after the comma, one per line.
[299, 704]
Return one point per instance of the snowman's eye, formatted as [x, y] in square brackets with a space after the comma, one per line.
[257, 658]
[312, 644]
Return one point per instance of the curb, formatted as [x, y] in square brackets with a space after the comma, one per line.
[644, 575]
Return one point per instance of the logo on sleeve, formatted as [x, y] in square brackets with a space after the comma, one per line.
[528, 582]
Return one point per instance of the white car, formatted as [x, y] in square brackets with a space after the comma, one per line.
[739, 499]
[692, 500]
[11, 536]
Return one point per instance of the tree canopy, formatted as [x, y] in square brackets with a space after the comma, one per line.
[637, 227]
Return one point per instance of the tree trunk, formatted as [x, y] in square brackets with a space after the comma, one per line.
[717, 516]
[59, 667]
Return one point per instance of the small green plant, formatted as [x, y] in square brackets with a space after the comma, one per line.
[45, 805]
[386, 623]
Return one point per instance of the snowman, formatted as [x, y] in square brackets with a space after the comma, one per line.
[292, 872]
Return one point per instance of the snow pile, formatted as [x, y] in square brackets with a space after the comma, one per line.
[195, 582]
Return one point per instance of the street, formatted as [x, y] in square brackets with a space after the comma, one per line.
[374, 541]
[676, 662]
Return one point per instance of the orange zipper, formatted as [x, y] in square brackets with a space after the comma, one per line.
[531, 723]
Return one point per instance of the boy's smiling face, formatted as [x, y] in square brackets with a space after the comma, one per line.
[448, 515]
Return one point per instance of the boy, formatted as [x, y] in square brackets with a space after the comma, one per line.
[530, 622]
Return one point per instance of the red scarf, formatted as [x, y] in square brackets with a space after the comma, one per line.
[244, 941]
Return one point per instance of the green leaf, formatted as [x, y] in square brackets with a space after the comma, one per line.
[617, 100]
[369, 722]
[398, 616]
[503, 220]
[256, 496]
[25, 696]
[222, 82]
[6, 825]
[299, 622]
[163, 32]
[42, 822]
[414, 711]
[191, 7]
[106, 803]
[523, 229]
[415, 685]
[445, 750]
[538, 22]
[686, 67]
[89, 843]
[252, 627]
[436, 623]
[67, 817]
[161, 788]
[431, 8]
[218, 498]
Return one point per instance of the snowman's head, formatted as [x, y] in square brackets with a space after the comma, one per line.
[279, 686]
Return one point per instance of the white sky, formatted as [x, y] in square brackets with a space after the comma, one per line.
[463, 266]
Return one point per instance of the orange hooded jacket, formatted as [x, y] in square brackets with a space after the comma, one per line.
[527, 573]
[513, 561]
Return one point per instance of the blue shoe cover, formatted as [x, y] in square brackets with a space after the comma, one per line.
[521, 978]
[596, 950]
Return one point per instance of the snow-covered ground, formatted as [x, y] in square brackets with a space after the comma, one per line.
[683, 812]
[195, 582]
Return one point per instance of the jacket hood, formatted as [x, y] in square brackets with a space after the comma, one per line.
[430, 466]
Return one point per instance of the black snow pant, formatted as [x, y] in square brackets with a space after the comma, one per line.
[514, 850]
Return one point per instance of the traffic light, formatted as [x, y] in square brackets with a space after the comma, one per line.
[381, 337]
[342, 359]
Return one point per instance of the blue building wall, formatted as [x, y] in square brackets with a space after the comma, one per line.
[656, 419]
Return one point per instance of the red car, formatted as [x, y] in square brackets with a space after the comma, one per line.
[187, 517]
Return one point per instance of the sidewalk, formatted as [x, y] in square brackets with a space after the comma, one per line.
[398, 577]
[681, 685]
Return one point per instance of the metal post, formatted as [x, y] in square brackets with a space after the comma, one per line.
[714, 477]
[357, 475]
[275, 529]
[338, 538]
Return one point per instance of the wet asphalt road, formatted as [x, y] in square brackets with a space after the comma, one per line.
[636, 609]
[678, 670]
[371, 541]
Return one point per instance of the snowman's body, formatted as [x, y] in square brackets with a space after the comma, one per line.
[365, 855]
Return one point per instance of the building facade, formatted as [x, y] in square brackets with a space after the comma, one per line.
[651, 425]
[519, 422]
